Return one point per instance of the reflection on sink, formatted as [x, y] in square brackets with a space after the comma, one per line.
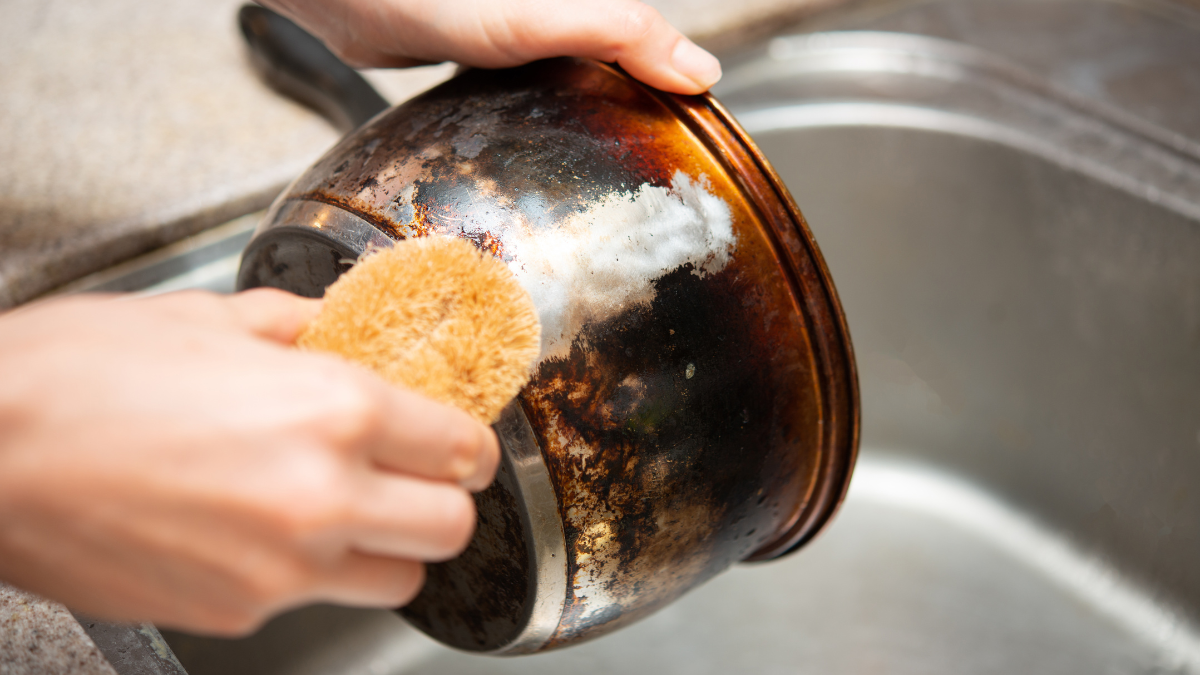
[1021, 285]
[924, 573]
[1020, 266]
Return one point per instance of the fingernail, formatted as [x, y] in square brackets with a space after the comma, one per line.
[476, 472]
[696, 64]
[466, 470]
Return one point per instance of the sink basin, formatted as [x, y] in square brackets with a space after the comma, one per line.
[1016, 241]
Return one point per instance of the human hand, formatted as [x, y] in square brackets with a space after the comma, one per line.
[173, 460]
[491, 34]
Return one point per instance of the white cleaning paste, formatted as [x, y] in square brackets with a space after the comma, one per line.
[596, 263]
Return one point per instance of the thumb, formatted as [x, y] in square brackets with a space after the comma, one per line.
[629, 32]
[273, 314]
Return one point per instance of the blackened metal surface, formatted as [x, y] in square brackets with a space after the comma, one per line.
[800, 260]
[711, 419]
[308, 247]
[295, 260]
[480, 601]
[664, 428]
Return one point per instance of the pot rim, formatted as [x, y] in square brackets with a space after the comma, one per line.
[817, 300]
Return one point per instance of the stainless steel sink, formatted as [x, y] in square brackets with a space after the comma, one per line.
[1012, 215]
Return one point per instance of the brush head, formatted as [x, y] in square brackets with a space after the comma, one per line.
[435, 315]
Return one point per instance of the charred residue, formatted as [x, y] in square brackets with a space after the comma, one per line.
[479, 600]
[655, 428]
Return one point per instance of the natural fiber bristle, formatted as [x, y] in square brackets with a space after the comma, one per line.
[437, 316]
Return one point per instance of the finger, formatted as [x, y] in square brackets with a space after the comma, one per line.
[633, 34]
[273, 314]
[365, 580]
[409, 517]
[430, 439]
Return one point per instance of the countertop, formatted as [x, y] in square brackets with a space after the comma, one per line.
[126, 125]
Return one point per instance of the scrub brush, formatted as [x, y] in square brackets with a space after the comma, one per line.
[435, 315]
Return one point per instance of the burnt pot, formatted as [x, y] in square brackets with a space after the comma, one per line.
[695, 403]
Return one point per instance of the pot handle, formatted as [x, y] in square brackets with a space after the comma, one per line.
[300, 66]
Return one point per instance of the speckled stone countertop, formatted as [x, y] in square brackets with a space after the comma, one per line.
[42, 638]
[126, 125]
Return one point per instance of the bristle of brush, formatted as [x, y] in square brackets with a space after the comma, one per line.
[435, 315]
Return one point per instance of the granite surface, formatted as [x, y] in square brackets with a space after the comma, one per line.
[126, 125]
[38, 637]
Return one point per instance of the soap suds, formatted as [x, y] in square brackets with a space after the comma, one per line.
[596, 263]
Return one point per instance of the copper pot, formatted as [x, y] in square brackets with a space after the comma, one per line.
[696, 402]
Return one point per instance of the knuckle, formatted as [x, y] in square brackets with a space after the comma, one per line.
[320, 513]
[308, 501]
[351, 417]
[309, 497]
[638, 22]
[273, 585]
